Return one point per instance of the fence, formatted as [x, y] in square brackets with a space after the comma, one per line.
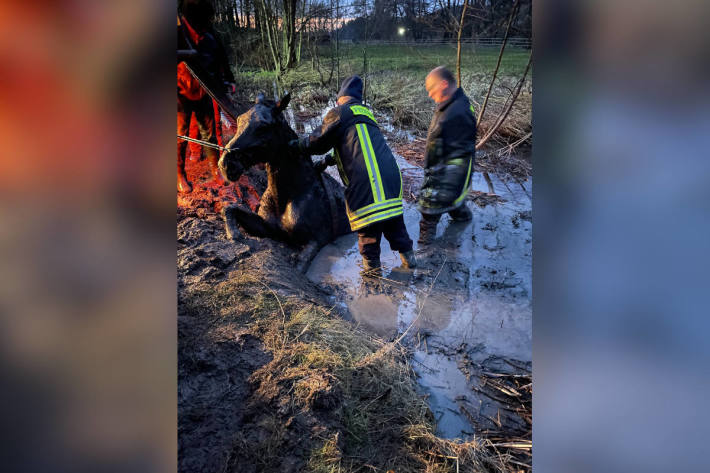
[417, 58]
[525, 43]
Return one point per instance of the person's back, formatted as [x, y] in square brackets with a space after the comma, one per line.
[369, 171]
[366, 164]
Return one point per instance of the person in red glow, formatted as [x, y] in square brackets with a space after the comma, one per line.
[206, 55]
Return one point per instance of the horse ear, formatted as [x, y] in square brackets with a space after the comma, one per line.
[260, 98]
[282, 104]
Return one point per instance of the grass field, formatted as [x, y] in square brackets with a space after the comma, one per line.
[394, 81]
[421, 59]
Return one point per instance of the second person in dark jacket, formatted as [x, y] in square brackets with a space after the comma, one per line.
[373, 182]
[450, 152]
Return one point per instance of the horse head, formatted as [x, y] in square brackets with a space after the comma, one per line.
[262, 137]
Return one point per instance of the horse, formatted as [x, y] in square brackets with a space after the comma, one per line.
[300, 206]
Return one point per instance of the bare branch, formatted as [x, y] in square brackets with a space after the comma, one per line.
[458, 49]
[500, 56]
[506, 111]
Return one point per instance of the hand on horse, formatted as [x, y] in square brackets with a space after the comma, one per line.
[295, 146]
[320, 166]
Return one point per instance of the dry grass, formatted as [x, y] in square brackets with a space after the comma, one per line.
[402, 96]
[406, 101]
[517, 127]
[318, 364]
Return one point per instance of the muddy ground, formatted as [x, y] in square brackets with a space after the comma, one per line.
[284, 372]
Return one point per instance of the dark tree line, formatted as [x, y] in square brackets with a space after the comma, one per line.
[436, 19]
[275, 34]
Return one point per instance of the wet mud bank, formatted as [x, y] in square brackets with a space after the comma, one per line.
[279, 371]
[467, 305]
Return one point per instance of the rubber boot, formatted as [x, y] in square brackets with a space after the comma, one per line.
[183, 185]
[214, 169]
[370, 266]
[408, 259]
[461, 214]
[427, 231]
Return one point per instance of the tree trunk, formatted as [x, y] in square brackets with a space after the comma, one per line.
[458, 41]
[500, 56]
[337, 42]
[269, 22]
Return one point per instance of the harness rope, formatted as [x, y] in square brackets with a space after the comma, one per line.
[205, 143]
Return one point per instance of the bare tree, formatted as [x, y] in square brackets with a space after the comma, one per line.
[458, 44]
[500, 56]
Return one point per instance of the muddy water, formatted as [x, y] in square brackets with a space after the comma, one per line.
[471, 296]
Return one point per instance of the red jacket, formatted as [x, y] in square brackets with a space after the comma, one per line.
[187, 85]
[211, 60]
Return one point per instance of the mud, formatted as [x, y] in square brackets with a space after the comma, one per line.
[213, 387]
[208, 198]
[469, 300]
[465, 312]
[235, 409]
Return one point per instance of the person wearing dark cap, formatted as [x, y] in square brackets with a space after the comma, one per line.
[369, 171]
[450, 152]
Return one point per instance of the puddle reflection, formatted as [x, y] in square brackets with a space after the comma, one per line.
[473, 286]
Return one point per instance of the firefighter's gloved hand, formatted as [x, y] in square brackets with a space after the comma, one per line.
[320, 166]
[329, 160]
[294, 145]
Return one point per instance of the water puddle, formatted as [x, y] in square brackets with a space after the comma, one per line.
[444, 383]
[470, 297]
[305, 126]
[469, 300]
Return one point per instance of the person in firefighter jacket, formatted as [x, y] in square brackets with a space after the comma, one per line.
[373, 182]
[208, 58]
[450, 152]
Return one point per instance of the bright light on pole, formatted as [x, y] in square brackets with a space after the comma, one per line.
[401, 31]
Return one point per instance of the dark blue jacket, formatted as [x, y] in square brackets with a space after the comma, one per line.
[373, 182]
[450, 152]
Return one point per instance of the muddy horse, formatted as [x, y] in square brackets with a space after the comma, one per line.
[299, 206]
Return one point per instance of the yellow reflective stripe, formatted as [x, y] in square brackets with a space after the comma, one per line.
[370, 163]
[472, 112]
[374, 160]
[341, 169]
[385, 214]
[360, 110]
[384, 208]
[375, 216]
[378, 205]
[465, 186]
[399, 171]
[365, 155]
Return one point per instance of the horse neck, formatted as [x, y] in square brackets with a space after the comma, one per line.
[288, 178]
[287, 175]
